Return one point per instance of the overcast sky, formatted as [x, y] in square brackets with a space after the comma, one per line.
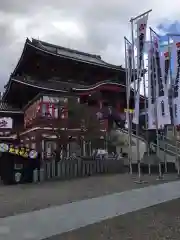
[96, 26]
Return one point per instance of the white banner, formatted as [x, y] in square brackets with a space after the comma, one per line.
[151, 89]
[176, 90]
[141, 38]
[163, 110]
[129, 66]
[6, 123]
[128, 56]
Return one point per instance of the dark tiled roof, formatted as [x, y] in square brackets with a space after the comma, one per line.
[49, 85]
[73, 54]
[59, 86]
[4, 107]
[94, 86]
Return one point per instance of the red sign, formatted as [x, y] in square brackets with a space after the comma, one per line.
[178, 44]
[142, 27]
[156, 43]
[166, 54]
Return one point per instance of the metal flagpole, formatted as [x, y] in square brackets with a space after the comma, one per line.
[170, 78]
[128, 81]
[135, 89]
[156, 107]
[134, 80]
[173, 85]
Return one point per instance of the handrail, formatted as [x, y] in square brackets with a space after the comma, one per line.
[167, 150]
[126, 131]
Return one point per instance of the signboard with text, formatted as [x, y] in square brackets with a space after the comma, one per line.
[18, 150]
[6, 123]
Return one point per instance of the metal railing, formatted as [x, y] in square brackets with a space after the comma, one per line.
[165, 149]
[76, 168]
[126, 131]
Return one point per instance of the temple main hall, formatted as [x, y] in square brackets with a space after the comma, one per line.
[45, 83]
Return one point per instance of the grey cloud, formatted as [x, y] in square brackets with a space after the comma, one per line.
[100, 20]
[26, 6]
[6, 35]
[105, 24]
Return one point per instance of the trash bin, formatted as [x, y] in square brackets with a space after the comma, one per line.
[18, 173]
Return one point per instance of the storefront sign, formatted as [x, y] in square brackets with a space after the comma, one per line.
[20, 151]
[6, 123]
[130, 110]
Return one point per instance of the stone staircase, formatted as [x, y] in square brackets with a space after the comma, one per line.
[167, 148]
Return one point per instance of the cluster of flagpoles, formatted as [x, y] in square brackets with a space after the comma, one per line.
[160, 80]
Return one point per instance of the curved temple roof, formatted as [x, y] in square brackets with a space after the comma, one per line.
[67, 88]
[6, 108]
[66, 53]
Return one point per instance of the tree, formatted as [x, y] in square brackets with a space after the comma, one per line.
[80, 117]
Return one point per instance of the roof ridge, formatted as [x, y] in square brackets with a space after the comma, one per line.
[68, 49]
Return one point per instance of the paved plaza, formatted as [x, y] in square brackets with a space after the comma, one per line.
[81, 204]
[160, 222]
[26, 198]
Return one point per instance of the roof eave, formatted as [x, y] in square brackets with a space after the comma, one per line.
[21, 57]
[11, 111]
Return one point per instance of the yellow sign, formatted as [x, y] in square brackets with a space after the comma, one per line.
[130, 110]
[21, 151]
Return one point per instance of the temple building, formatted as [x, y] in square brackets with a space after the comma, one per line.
[40, 88]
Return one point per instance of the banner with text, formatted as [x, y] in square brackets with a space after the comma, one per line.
[141, 25]
[163, 110]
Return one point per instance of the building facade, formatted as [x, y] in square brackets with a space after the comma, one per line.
[44, 83]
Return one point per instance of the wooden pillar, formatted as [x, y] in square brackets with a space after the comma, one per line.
[84, 148]
[90, 148]
[68, 150]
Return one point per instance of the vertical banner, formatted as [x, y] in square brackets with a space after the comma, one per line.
[166, 69]
[128, 61]
[151, 89]
[176, 90]
[163, 110]
[141, 38]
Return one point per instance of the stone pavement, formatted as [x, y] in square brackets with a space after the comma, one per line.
[159, 222]
[56, 220]
[26, 198]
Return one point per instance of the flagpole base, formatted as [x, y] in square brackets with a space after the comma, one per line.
[140, 181]
[160, 178]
